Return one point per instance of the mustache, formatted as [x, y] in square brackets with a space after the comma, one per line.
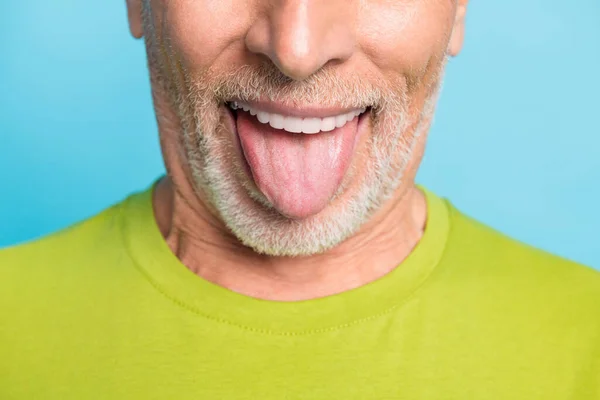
[326, 88]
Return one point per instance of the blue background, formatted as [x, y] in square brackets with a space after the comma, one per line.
[515, 142]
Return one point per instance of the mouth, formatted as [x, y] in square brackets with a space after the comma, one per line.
[293, 122]
[297, 158]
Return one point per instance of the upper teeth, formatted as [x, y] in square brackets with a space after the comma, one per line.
[296, 124]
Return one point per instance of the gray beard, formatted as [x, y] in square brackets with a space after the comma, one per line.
[257, 225]
[218, 171]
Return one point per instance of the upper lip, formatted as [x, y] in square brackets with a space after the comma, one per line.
[302, 111]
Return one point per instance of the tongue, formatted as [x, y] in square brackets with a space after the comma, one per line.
[298, 173]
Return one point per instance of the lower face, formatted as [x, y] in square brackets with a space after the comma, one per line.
[287, 186]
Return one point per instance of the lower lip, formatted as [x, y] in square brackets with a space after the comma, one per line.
[231, 121]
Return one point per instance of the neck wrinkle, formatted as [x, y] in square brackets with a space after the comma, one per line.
[210, 252]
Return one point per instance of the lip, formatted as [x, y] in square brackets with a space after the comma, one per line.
[291, 110]
[231, 122]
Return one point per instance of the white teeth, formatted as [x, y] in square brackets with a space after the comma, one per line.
[328, 124]
[296, 124]
[311, 125]
[276, 121]
[263, 117]
[340, 121]
[292, 124]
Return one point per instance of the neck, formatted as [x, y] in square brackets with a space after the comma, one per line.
[205, 246]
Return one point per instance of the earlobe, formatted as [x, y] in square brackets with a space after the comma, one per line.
[458, 32]
[134, 14]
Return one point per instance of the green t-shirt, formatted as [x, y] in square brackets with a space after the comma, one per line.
[104, 310]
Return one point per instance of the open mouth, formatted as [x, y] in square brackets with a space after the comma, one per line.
[295, 124]
[297, 159]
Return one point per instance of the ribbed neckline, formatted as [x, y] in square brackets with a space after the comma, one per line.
[168, 275]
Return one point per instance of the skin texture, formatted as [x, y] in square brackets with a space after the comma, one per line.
[383, 54]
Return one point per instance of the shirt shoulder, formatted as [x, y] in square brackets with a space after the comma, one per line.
[535, 280]
[53, 263]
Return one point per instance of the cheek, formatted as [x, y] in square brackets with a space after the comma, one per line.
[201, 30]
[404, 37]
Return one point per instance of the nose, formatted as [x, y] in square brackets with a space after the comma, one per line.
[302, 36]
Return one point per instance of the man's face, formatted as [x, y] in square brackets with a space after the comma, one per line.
[363, 74]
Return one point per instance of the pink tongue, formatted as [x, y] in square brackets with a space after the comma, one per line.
[298, 173]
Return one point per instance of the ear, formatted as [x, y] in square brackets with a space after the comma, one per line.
[134, 14]
[458, 31]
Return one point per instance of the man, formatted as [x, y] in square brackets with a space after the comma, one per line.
[288, 254]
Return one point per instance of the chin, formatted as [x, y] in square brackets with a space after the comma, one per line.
[222, 173]
[256, 222]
